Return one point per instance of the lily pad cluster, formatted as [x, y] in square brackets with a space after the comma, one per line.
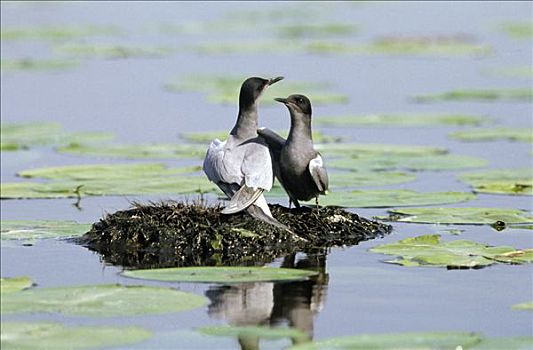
[176, 234]
[28, 230]
[501, 181]
[225, 89]
[107, 179]
[428, 250]
[401, 120]
[480, 135]
[488, 95]
[15, 136]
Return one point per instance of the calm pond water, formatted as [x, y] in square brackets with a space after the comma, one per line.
[358, 292]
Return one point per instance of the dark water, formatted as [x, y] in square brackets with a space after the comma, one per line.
[357, 293]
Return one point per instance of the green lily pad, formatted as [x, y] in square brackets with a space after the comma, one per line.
[428, 250]
[507, 343]
[518, 30]
[391, 198]
[113, 51]
[407, 162]
[501, 181]
[519, 94]
[155, 151]
[401, 120]
[358, 149]
[16, 136]
[56, 33]
[396, 341]
[475, 216]
[223, 275]
[315, 30]
[511, 134]
[33, 64]
[514, 72]
[225, 89]
[101, 301]
[51, 335]
[524, 306]
[206, 137]
[367, 178]
[35, 229]
[14, 284]
[259, 332]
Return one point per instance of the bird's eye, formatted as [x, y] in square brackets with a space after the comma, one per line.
[300, 100]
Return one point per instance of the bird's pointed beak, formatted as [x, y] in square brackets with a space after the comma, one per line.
[282, 100]
[274, 80]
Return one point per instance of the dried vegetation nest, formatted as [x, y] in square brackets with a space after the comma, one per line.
[184, 234]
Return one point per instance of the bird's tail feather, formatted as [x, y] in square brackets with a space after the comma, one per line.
[242, 199]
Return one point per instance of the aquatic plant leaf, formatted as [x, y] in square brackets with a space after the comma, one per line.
[476, 216]
[428, 250]
[254, 331]
[106, 171]
[395, 341]
[18, 190]
[524, 306]
[315, 30]
[113, 51]
[370, 149]
[16, 136]
[154, 151]
[395, 120]
[392, 198]
[14, 284]
[224, 275]
[40, 229]
[206, 137]
[101, 301]
[479, 135]
[519, 94]
[407, 162]
[225, 89]
[51, 335]
[57, 33]
[515, 72]
[346, 179]
[507, 343]
[33, 64]
[518, 30]
[501, 181]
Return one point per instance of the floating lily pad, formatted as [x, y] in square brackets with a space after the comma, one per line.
[507, 343]
[401, 120]
[113, 51]
[475, 216]
[515, 72]
[107, 179]
[524, 306]
[101, 301]
[357, 149]
[16, 136]
[259, 332]
[315, 30]
[391, 198]
[407, 162]
[56, 33]
[35, 229]
[518, 30]
[345, 179]
[501, 181]
[51, 335]
[14, 284]
[223, 275]
[396, 341]
[520, 94]
[206, 137]
[225, 89]
[33, 64]
[241, 47]
[511, 134]
[155, 151]
[428, 250]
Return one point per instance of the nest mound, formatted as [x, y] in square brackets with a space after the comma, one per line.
[179, 234]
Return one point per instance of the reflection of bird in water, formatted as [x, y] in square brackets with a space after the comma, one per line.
[273, 304]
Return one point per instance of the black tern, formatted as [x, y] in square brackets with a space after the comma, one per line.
[297, 165]
[241, 166]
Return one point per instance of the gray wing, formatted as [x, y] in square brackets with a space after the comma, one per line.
[256, 165]
[274, 141]
[319, 173]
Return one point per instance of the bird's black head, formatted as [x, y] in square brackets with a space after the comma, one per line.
[297, 103]
[252, 88]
